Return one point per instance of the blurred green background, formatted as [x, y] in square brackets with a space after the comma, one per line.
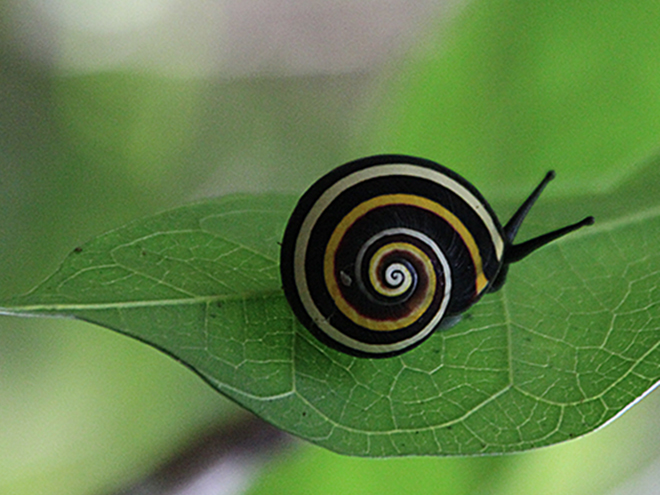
[113, 111]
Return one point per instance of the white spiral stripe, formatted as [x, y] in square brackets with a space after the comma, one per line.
[335, 334]
[328, 196]
[398, 276]
[398, 280]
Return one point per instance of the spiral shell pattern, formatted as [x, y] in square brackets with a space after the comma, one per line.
[380, 250]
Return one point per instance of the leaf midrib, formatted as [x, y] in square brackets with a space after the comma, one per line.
[24, 310]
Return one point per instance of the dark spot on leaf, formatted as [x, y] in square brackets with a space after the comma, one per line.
[218, 304]
[304, 413]
[449, 427]
[144, 252]
[78, 250]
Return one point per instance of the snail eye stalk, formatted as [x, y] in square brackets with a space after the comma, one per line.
[511, 228]
[517, 252]
[520, 251]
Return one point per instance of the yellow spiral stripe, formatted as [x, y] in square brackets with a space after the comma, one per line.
[362, 209]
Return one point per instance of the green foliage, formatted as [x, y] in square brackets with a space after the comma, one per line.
[570, 342]
[512, 89]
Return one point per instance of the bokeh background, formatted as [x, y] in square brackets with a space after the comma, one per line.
[114, 110]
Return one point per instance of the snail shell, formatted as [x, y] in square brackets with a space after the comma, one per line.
[382, 251]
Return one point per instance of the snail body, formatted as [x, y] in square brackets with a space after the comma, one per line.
[382, 251]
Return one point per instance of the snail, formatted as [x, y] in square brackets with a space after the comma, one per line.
[384, 250]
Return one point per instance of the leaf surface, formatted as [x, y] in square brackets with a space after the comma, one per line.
[568, 344]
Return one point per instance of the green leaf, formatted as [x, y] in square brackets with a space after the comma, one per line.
[569, 343]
